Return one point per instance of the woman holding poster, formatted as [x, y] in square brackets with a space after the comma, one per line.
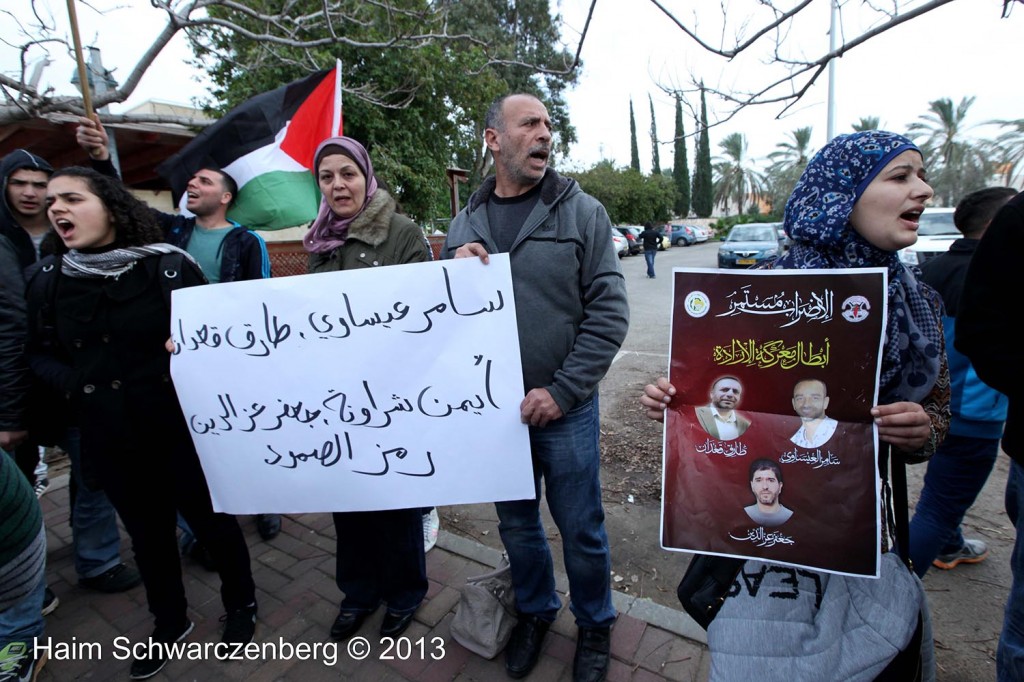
[380, 554]
[99, 316]
[857, 203]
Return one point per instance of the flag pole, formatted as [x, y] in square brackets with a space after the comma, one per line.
[83, 74]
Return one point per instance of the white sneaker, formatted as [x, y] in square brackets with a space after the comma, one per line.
[431, 526]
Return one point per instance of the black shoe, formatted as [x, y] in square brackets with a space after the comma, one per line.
[523, 647]
[118, 579]
[590, 664]
[197, 552]
[239, 625]
[395, 623]
[269, 525]
[347, 624]
[50, 602]
[153, 659]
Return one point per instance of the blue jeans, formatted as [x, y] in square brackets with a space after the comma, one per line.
[566, 455]
[24, 620]
[956, 474]
[94, 530]
[649, 257]
[1010, 654]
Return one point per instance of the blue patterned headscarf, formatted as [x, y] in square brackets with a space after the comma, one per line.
[817, 220]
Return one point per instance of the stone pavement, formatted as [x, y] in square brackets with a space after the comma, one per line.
[298, 601]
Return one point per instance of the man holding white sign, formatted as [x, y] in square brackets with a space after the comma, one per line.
[572, 315]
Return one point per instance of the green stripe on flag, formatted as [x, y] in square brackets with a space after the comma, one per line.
[276, 200]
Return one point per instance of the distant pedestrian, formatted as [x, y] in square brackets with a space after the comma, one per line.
[651, 238]
[961, 465]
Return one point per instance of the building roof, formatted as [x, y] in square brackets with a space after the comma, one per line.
[140, 146]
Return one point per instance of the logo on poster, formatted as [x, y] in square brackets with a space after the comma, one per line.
[697, 304]
[855, 309]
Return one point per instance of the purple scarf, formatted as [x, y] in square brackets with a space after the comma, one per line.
[330, 230]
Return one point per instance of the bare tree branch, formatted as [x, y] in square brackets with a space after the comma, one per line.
[800, 72]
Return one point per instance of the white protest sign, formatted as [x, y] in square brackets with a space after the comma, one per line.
[370, 389]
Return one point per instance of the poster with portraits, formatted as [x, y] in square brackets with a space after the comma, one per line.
[769, 446]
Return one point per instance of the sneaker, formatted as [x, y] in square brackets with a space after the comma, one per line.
[154, 658]
[20, 663]
[50, 602]
[973, 552]
[239, 625]
[120, 578]
[431, 527]
[41, 486]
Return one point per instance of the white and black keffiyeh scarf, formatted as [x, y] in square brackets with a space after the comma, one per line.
[114, 263]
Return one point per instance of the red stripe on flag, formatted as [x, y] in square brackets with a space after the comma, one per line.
[312, 123]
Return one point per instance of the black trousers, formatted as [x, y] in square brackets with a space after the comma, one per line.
[380, 558]
[164, 477]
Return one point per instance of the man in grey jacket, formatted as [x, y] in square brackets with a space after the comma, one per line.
[573, 315]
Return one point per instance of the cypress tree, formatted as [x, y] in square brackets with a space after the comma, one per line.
[655, 158]
[634, 151]
[680, 166]
[703, 192]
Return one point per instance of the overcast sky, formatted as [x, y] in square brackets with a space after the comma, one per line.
[961, 49]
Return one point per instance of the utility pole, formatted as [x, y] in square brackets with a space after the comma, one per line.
[833, 44]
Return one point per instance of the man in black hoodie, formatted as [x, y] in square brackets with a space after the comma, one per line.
[23, 226]
[987, 334]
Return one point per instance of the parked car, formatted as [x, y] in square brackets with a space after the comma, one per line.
[703, 233]
[750, 245]
[632, 235]
[935, 233]
[683, 235]
[620, 244]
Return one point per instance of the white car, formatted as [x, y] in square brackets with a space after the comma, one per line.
[620, 244]
[935, 233]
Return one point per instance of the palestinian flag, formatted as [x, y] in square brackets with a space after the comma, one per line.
[266, 144]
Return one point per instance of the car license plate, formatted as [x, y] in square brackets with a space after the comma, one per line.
[745, 261]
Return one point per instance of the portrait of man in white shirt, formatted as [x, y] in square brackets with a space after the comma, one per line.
[810, 400]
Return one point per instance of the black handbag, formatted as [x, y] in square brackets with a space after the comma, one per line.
[705, 585]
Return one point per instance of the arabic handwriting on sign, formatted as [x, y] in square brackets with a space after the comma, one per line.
[718, 447]
[813, 457]
[275, 333]
[773, 353]
[814, 307]
[449, 305]
[328, 454]
[761, 538]
[400, 453]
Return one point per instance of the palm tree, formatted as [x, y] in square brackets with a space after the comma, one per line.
[1008, 151]
[867, 123]
[787, 164]
[734, 179]
[957, 164]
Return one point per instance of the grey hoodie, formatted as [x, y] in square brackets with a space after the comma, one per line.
[571, 304]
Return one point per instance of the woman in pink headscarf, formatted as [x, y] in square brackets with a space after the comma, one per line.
[380, 555]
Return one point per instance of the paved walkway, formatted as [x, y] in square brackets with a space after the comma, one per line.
[298, 601]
